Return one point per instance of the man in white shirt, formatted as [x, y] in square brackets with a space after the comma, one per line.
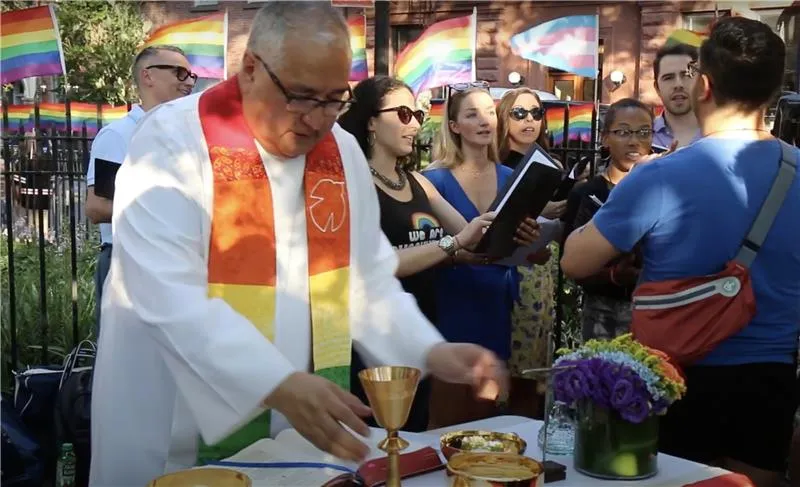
[248, 253]
[161, 74]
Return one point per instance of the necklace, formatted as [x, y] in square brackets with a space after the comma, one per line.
[398, 185]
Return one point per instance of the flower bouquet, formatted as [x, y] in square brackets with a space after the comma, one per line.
[618, 389]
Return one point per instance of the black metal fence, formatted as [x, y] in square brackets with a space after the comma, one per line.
[45, 230]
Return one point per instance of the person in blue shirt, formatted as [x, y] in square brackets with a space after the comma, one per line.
[689, 211]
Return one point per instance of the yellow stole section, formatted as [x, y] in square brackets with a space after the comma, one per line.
[242, 258]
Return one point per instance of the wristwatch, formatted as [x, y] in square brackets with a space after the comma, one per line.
[448, 244]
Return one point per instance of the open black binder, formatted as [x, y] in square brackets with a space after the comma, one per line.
[526, 193]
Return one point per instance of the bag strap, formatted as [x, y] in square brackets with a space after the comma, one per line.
[772, 204]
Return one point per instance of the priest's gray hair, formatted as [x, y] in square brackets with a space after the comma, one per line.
[314, 23]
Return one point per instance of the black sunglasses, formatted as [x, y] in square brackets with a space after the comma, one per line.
[305, 104]
[459, 87]
[519, 113]
[405, 114]
[180, 72]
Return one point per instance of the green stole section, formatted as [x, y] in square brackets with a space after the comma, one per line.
[259, 427]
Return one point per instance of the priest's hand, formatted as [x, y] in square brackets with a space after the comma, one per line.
[466, 363]
[315, 407]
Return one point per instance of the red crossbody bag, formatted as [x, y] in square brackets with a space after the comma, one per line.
[687, 318]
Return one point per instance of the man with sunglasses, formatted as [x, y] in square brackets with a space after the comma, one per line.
[161, 74]
[247, 254]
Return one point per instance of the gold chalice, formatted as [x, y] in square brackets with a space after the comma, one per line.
[391, 391]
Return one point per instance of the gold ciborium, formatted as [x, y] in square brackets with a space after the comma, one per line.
[391, 391]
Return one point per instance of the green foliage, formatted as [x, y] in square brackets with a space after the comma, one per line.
[59, 285]
[100, 39]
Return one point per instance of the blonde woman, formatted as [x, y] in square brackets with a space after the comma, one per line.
[473, 302]
[521, 123]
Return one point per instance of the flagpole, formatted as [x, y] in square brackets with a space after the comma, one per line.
[474, 42]
[225, 49]
[60, 46]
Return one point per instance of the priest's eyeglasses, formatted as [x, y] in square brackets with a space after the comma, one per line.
[305, 104]
[641, 134]
[180, 72]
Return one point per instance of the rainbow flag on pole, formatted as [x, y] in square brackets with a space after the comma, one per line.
[444, 54]
[30, 44]
[204, 40]
[566, 43]
[358, 44]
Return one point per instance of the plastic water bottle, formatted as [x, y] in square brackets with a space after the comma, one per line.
[65, 470]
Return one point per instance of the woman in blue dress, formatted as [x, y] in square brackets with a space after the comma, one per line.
[473, 301]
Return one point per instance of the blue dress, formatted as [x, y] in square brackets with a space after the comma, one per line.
[474, 302]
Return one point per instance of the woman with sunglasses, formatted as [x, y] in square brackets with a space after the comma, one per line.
[415, 218]
[473, 301]
[627, 134]
[521, 123]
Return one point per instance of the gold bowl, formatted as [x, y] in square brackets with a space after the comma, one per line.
[494, 470]
[475, 441]
[203, 477]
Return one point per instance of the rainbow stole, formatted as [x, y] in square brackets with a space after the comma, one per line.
[242, 259]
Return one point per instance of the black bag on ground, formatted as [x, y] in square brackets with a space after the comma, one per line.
[22, 459]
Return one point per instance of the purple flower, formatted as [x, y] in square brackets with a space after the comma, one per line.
[622, 394]
[637, 410]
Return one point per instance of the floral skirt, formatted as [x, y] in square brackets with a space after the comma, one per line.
[533, 316]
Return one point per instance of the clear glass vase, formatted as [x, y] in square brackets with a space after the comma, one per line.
[560, 431]
[609, 447]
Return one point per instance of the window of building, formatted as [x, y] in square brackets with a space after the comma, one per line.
[200, 5]
[403, 35]
[701, 21]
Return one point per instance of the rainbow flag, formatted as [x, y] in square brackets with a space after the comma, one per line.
[204, 40]
[566, 43]
[436, 113]
[111, 113]
[20, 116]
[580, 122]
[358, 44]
[555, 116]
[30, 44]
[443, 54]
[52, 116]
[684, 36]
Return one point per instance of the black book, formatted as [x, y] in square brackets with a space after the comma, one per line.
[570, 179]
[105, 173]
[525, 194]
[589, 205]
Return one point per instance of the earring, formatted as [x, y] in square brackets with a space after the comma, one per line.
[370, 139]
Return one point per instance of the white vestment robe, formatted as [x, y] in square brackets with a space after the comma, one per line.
[173, 364]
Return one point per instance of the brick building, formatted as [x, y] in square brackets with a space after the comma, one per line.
[630, 34]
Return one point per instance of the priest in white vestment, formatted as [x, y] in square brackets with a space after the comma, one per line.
[244, 211]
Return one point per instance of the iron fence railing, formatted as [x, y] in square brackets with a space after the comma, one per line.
[43, 168]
